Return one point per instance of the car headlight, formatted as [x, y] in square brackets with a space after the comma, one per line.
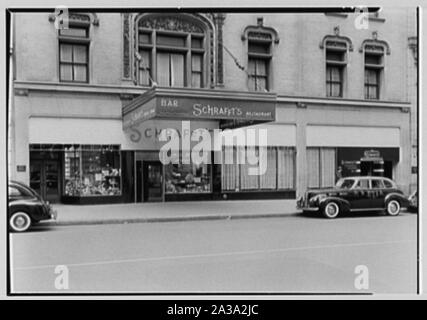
[317, 198]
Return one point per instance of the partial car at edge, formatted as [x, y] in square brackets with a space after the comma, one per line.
[26, 207]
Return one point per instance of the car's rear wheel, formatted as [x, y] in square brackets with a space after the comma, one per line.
[20, 221]
[393, 208]
[331, 210]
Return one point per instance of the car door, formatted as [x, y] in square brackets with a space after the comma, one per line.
[378, 193]
[359, 199]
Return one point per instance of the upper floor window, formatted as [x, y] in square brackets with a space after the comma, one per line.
[74, 51]
[336, 62]
[260, 40]
[374, 57]
[259, 60]
[374, 52]
[171, 51]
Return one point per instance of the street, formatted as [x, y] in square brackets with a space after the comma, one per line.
[292, 254]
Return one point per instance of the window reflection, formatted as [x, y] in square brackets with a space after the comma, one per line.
[92, 170]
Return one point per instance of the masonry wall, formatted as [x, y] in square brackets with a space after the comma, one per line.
[299, 62]
[298, 71]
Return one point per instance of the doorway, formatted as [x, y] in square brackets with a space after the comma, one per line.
[45, 179]
[152, 181]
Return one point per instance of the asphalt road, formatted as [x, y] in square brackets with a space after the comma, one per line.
[292, 254]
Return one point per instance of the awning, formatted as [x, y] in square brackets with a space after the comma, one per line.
[231, 109]
[368, 154]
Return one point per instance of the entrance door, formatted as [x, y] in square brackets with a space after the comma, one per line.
[366, 168]
[139, 179]
[153, 181]
[44, 179]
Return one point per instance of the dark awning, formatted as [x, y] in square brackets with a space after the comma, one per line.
[232, 109]
[368, 154]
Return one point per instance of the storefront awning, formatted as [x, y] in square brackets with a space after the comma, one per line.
[231, 109]
[373, 154]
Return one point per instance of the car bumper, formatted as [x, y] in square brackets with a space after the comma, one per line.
[53, 214]
[302, 206]
[308, 208]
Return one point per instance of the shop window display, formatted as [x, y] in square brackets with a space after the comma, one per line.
[187, 178]
[92, 170]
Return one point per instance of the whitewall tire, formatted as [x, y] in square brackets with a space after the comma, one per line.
[331, 210]
[20, 221]
[393, 208]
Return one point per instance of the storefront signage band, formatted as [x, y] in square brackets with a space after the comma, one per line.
[200, 108]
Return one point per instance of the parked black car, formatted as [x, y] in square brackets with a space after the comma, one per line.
[355, 194]
[26, 207]
[413, 202]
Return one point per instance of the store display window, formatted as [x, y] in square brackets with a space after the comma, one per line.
[92, 170]
[188, 178]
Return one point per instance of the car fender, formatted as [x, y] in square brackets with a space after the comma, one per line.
[344, 204]
[32, 209]
[398, 196]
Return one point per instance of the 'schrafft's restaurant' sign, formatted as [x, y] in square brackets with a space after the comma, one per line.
[231, 111]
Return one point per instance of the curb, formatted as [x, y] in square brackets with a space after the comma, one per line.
[166, 219]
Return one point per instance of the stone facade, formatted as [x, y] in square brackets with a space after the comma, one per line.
[297, 75]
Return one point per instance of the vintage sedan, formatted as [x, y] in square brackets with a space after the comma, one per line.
[355, 194]
[26, 207]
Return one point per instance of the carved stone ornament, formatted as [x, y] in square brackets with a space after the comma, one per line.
[336, 40]
[169, 23]
[126, 46]
[375, 44]
[79, 18]
[260, 35]
[413, 45]
[260, 32]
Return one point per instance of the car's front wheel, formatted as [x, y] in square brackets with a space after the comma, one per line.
[331, 210]
[393, 208]
[20, 221]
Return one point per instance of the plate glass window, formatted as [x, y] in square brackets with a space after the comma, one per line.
[92, 170]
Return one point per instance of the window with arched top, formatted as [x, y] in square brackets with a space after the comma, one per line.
[336, 63]
[336, 49]
[260, 41]
[172, 50]
[374, 52]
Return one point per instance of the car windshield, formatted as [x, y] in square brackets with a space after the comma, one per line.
[345, 183]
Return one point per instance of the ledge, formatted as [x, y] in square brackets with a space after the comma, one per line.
[81, 88]
[302, 102]
[206, 93]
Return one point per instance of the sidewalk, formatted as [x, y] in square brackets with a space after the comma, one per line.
[170, 211]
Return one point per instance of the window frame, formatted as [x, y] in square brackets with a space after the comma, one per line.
[77, 152]
[257, 56]
[340, 64]
[74, 41]
[377, 68]
[188, 50]
[381, 182]
[14, 194]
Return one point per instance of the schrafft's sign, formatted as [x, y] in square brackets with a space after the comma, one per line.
[182, 108]
[208, 109]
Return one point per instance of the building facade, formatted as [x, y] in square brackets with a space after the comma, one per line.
[89, 103]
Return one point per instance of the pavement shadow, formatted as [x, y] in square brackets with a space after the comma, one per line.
[349, 215]
[36, 229]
